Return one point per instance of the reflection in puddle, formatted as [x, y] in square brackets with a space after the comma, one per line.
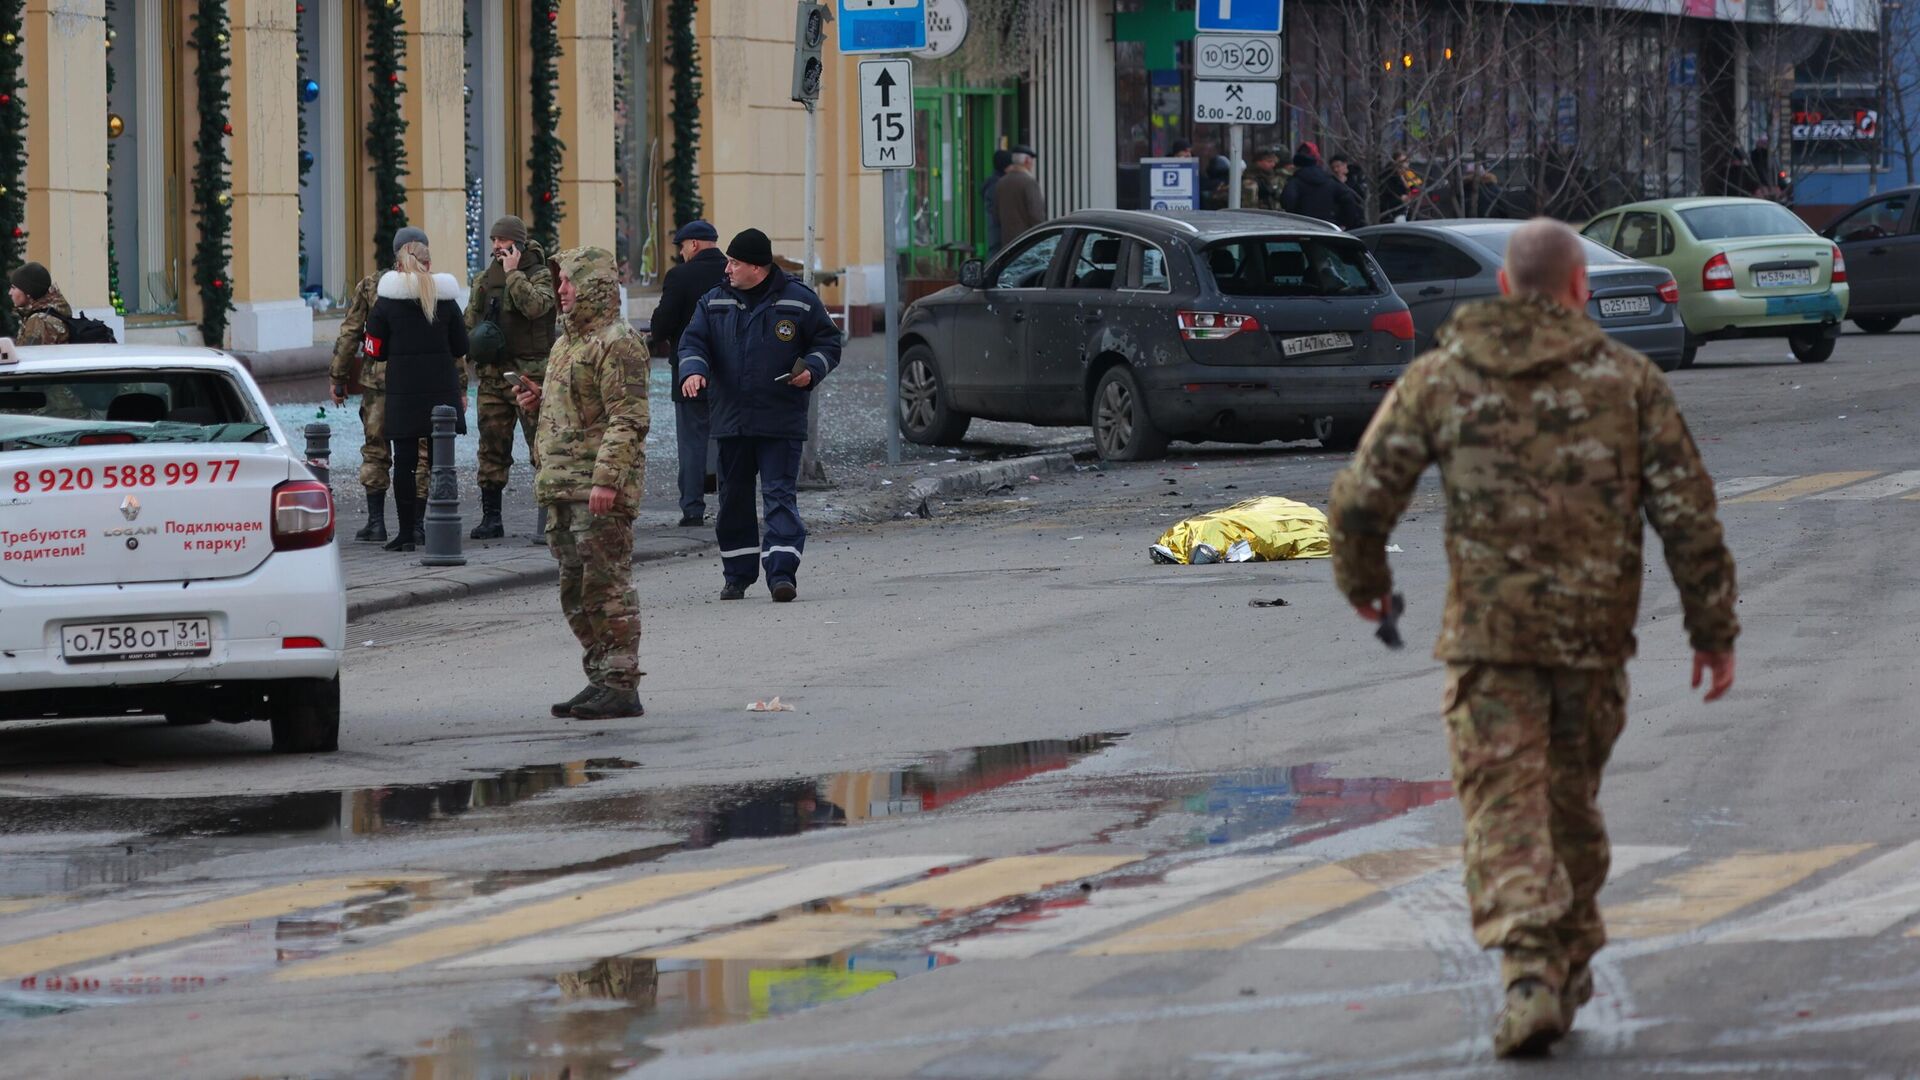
[1260, 801]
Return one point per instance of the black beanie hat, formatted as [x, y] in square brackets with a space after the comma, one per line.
[752, 247]
[32, 279]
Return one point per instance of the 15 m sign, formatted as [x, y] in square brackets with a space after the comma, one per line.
[886, 114]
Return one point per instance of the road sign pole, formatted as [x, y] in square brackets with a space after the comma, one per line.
[812, 474]
[890, 237]
[1236, 148]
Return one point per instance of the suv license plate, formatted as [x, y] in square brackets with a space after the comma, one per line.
[1781, 279]
[1626, 305]
[135, 639]
[1316, 343]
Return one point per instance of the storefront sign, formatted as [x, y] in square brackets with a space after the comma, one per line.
[1810, 126]
[946, 28]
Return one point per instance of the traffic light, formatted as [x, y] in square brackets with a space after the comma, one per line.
[809, 34]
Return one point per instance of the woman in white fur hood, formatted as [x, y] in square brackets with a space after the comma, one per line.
[416, 330]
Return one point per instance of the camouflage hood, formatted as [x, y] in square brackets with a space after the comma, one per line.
[596, 288]
[53, 301]
[1514, 335]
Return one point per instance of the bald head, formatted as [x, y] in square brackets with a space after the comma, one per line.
[1544, 257]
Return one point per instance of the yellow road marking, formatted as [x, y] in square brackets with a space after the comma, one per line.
[445, 942]
[15, 906]
[57, 951]
[989, 881]
[1268, 909]
[1802, 485]
[801, 937]
[1696, 897]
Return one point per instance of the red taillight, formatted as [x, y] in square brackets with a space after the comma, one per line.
[1397, 323]
[108, 438]
[1213, 325]
[1717, 274]
[1670, 291]
[302, 643]
[302, 515]
[1839, 276]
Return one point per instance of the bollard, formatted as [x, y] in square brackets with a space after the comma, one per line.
[443, 496]
[319, 449]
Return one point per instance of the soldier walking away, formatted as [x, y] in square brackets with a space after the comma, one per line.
[45, 316]
[416, 331]
[703, 270]
[1552, 441]
[510, 315]
[763, 342]
[592, 424]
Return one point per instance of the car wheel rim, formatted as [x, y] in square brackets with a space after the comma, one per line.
[918, 396]
[1116, 417]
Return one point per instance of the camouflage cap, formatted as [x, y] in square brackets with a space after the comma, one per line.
[583, 264]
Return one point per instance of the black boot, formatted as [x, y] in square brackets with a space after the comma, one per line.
[490, 527]
[610, 704]
[565, 708]
[403, 537]
[375, 530]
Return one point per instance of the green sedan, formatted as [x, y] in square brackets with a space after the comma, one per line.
[1746, 267]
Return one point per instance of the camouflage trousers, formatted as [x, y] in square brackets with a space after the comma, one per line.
[1528, 746]
[595, 553]
[498, 415]
[376, 453]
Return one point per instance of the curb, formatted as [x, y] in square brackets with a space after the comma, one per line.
[868, 509]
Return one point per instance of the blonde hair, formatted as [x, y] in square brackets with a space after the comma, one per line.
[414, 259]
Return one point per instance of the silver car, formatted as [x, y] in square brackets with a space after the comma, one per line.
[1437, 266]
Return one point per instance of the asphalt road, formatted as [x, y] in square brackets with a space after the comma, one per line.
[1043, 809]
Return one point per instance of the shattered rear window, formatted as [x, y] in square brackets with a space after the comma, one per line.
[1291, 266]
[81, 408]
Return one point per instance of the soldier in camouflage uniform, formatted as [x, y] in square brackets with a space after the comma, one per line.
[39, 306]
[1260, 184]
[1552, 441]
[516, 294]
[592, 410]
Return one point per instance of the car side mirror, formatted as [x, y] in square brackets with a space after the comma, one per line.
[973, 274]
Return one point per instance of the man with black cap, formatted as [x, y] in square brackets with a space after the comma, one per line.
[762, 342]
[516, 296]
[43, 312]
[1018, 198]
[702, 269]
[1315, 193]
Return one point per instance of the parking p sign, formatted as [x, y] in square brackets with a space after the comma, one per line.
[1172, 183]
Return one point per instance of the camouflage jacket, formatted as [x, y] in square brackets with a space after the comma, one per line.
[38, 323]
[593, 406]
[353, 330]
[1552, 440]
[527, 308]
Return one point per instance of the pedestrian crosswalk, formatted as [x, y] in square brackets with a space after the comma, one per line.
[957, 907]
[1846, 486]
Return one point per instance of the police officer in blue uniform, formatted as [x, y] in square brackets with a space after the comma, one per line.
[758, 344]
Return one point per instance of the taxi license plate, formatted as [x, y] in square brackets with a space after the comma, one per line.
[135, 639]
[1626, 305]
[1316, 343]
[1781, 279]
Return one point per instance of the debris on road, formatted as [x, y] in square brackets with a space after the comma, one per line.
[775, 705]
[1259, 529]
[1278, 601]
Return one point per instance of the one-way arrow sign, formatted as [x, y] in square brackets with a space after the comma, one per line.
[886, 114]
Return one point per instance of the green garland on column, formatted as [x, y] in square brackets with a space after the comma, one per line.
[386, 27]
[543, 163]
[114, 297]
[300, 151]
[212, 197]
[13, 151]
[683, 54]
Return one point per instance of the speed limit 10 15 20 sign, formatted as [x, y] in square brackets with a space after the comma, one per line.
[1236, 56]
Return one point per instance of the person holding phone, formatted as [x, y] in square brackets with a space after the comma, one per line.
[759, 345]
[510, 315]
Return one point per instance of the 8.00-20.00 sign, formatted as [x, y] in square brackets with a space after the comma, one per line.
[1235, 102]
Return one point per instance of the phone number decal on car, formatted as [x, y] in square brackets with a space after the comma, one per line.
[171, 474]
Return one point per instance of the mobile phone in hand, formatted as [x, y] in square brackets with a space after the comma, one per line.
[519, 383]
[783, 378]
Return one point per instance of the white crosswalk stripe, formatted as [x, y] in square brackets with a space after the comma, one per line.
[1740, 485]
[1880, 487]
[1859, 903]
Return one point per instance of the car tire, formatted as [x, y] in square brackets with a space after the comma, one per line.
[1877, 324]
[1811, 346]
[1343, 436]
[305, 714]
[1123, 430]
[925, 415]
[1689, 352]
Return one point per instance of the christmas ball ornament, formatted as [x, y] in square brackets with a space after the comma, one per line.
[394, 77]
[309, 90]
[553, 16]
[306, 159]
[221, 37]
[11, 39]
[223, 198]
[6, 99]
[3, 191]
[546, 196]
[115, 125]
[226, 129]
[219, 283]
[394, 209]
[393, 3]
[18, 232]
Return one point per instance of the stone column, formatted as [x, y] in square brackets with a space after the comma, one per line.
[264, 111]
[435, 108]
[66, 99]
[586, 123]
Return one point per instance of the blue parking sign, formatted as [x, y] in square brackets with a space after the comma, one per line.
[1242, 16]
[869, 26]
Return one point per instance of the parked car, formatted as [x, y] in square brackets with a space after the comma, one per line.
[163, 549]
[1437, 266]
[1236, 326]
[1747, 268]
[1880, 239]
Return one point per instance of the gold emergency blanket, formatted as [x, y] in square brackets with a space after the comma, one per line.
[1261, 529]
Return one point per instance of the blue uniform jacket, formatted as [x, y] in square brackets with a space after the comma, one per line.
[741, 350]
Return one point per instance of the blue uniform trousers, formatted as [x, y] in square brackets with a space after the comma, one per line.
[691, 422]
[742, 547]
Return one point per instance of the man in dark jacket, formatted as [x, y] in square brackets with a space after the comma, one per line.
[1001, 159]
[703, 269]
[516, 294]
[762, 342]
[1019, 202]
[1314, 192]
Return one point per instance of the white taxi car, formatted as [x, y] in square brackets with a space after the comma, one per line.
[163, 548]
